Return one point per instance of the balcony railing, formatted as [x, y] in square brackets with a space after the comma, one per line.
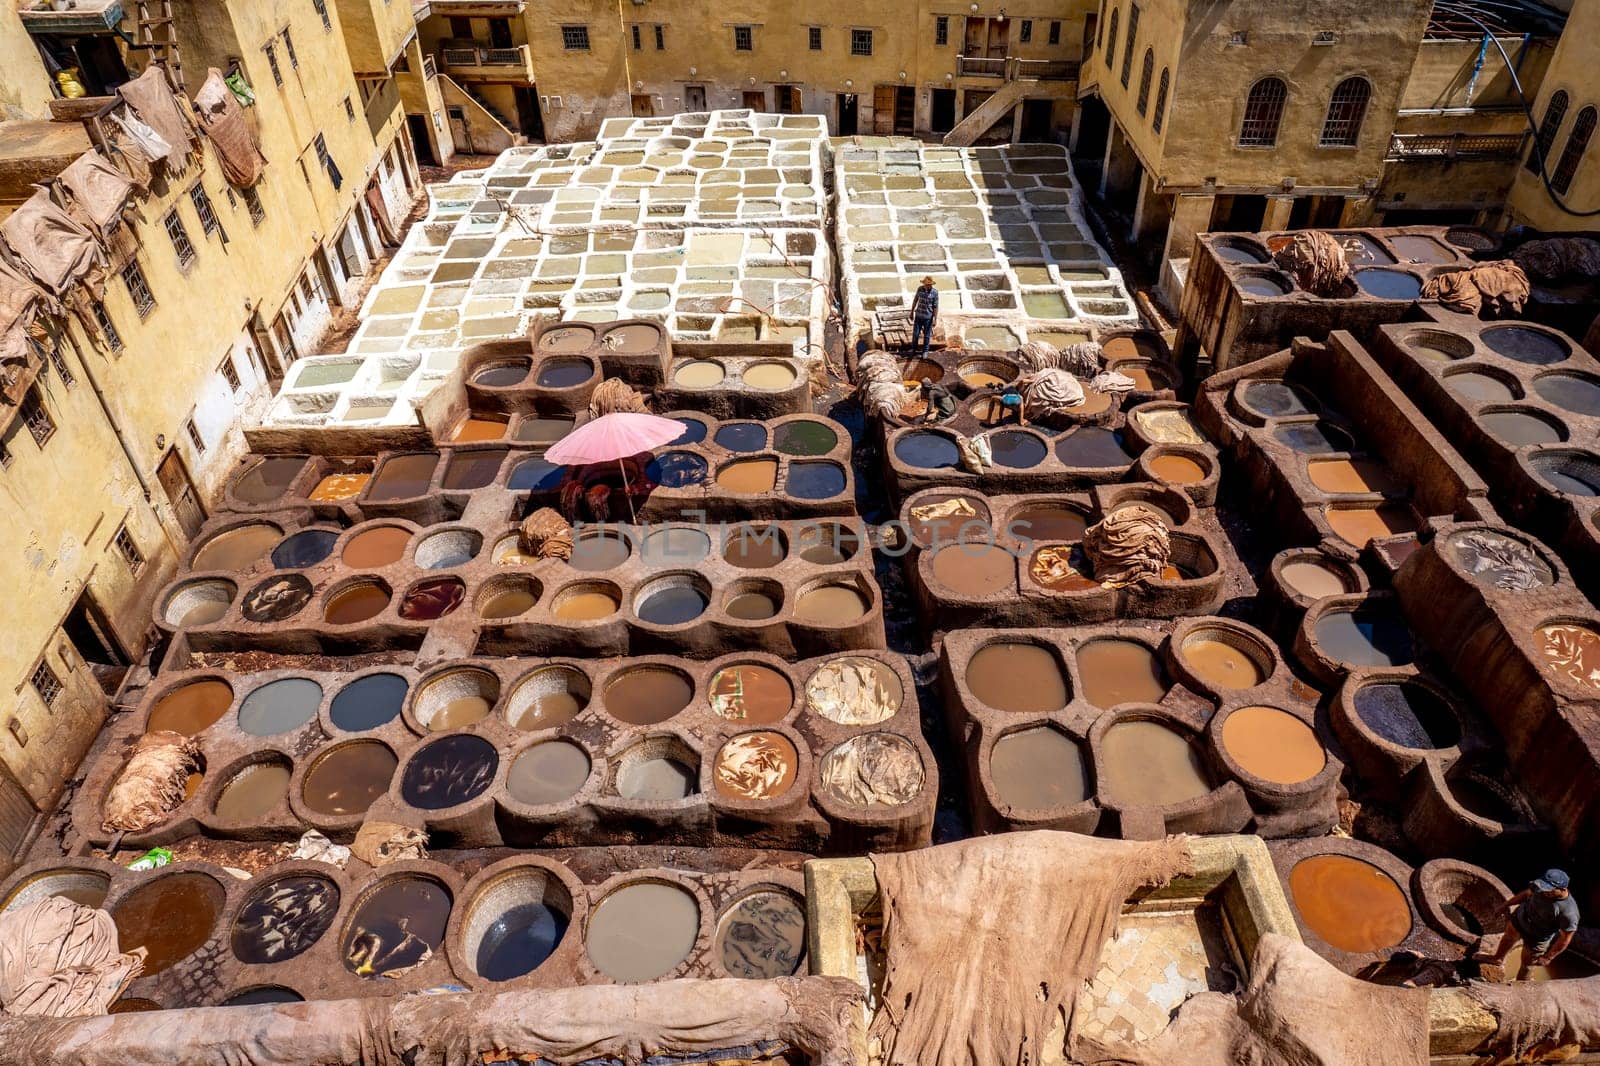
[973, 67]
[486, 61]
[430, 69]
[1416, 147]
[1012, 69]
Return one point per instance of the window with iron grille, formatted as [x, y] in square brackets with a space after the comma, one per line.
[272, 61]
[252, 200]
[1263, 112]
[46, 684]
[5, 453]
[1055, 33]
[814, 38]
[575, 38]
[941, 30]
[138, 289]
[661, 37]
[638, 37]
[195, 438]
[288, 47]
[179, 237]
[326, 160]
[1572, 154]
[129, 550]
[203, 209]
[1160, 116]
[321, 7]
[1133, 36]
[1347, 107]
[109, 331]
[1144, 79]
[59, 361]
[861, 42]
[230, 373]
[1111, 40]
[1555, 113]
[1025, 34]
[36, 418]
[744, 39]
[349, 110]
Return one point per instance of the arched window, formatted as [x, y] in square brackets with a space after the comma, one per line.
[1111, 40]
[1127, 46]
[1555, 113]
[1263, 112]
[1144, 79]
[1346, 108]
[1161, 100]
[1572, 154]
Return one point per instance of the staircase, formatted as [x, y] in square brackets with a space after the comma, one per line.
[152, 27]
[1025, 80]
[484, 103]
[501, 132]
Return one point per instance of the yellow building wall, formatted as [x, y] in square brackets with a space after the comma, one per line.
[1573, 70]
[375, 32]
[578, 90]
[24, 85]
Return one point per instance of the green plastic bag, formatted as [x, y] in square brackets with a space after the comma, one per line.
[151, 859]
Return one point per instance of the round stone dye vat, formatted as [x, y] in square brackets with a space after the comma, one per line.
[975, 569]
[86, 888]
[1178, 469]
[814, 480]
[769, 377]
[699, 374]
[1368, 636]
[1570, 651]
[1093, 447]
[694, 430]
[594, 552]
[1578, 393]
[648, 695]
[280, 706]
[1273, 744]
[1519, 427]
[1526, 345]
[284, 918]
[1235, 250]
[1149, 764]
[642, 931]
[827, 543]
[503, 376]
[1115, 671]
[751, 601]
[748, 476]
[586, 602]
[676, 599]
[755, 766]
[762, 936]
[1261, 284]
[1407, 714]
[1038, 769]
[674, 470]
[191, 708]
[396, 926]
[551, 772]
[267, 479]
[355, 602]
[277, 599]
[347, 779]
[449, 771]
[507, 597]
[1017, 450]
[170, 917]
[238, 548]
[564, 373]
[1226, 658]
[573, 337]
[873, 770]
[1480, 387]
[254, 792]
[855, 690]
[368, 702]
[633, 337]
[198, 603]
[1019, 677]
[1276, 399]
[451, 548]
[375, 547]
[1048, 522]
[430, 600]
[830, 605]
[1316, 579]
[1349, 903]
[1389, 284]
[675, 547]
[1314, 438]
[1571, 472]
[1496, 560]
[927, 451]
[751, 693]
[741, 436]
[305, 548]
[550, 696]
[804, 437]
[515, 923]
[660, 769]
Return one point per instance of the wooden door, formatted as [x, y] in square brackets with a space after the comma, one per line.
[883, 97]
[977, 38]
[694, 97]
[643, 107]
[755, 100]
[180, 490]
[16, 816]
[999, 38]
[905, 110]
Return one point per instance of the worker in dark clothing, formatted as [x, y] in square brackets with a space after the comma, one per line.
[941, 402]
[1544, 917]
[924, 312]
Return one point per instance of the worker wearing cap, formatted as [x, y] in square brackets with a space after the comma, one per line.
[924, 312]
[1544, 916]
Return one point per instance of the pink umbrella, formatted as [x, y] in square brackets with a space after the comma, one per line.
[614, 437]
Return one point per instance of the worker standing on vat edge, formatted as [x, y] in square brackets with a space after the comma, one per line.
[924, 312]
[1544, 916]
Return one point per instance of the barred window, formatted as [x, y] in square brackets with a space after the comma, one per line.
[349, 110]
[1144, 79]
[129, 550]
[36, 418]
[661, 37]
[230, 373]
[744, 39]
[861, 42]
[5, 453]
[195, 438]
[1055, 33]
[1160, 116]
[321, 7]
[138, 288]
[46, 684]
[1263, 113]
[113, 338]
[1111, 40]
[941, 30]
[1555, 113]
[203, 209]
[1025, 32]
[59, 361]
[179, 237]
[1127, 52]
[288, 46]
[815, 35]
[1572, 154]
[252, 200]
[575, 38]
[638, 37]
[272, 61]
[1346, 110]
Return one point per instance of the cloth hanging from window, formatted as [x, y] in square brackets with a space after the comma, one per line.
[135, 159]
[21, 301]
[224, 122]
[96, 190]
[380, 216]
[241, 89]
[153, 100]
[55, 248]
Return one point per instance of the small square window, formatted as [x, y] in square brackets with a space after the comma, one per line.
[638, 37]
[1025, 34]
[129, 550]
[46, 684]
[575, 38]
[252, 200]
[288, 46]
[1055, 33]
[36, 418]
[661, 37]
[203, 209]
[349, 110]
[179, 237]
[18, 732]
[230, 373]
[138, 288]
[744, 39]
[861, 42]
[107, 329]
[272, 61]
[941, 30]
[195, 438]
[321, 7]
[816, 38]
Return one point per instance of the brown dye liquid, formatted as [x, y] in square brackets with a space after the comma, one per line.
[1037, 769]
[169, 917]
[267, 480]
[642, 931]
[403, 477]
[397, 926]
[1094, 401]
[975, 569]
[830, 605]
[1148, 764]
[1273, 745]
[348, 780]
[472, 470]
[751, 607]
[86, 896]
[1025, 678]
[754, 766]
[638, 337]
[1313, 580]
[600, 551]
[1221, 664]
[1351, 475]
[658, 778]
[476, 428]
[1565, 967]
[204, 613]
[648, 695]
[1049, 522]
[191, 785]
[762, 936]
[754, 548]
[508, 603]
[1119, 348]
[253, 792]
[586, 606]
[1177, 469]
[238, 548]
[374, 548]
[769, 376]
[548, 698]
[980, 379]
[1120, 671]
[1360, 525]
[357, 603]
[567, 339]
[547, 773]
[702, 374]
[751, 693]
[191, 709]
[749, 475]
[458, 713]
[1349, 903]
[340, 487]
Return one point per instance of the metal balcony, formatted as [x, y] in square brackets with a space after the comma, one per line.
[1425, 147]
[502, 64]
[1009, 68]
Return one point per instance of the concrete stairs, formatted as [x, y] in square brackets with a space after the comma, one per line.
[491, 132]
[1009, 95]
